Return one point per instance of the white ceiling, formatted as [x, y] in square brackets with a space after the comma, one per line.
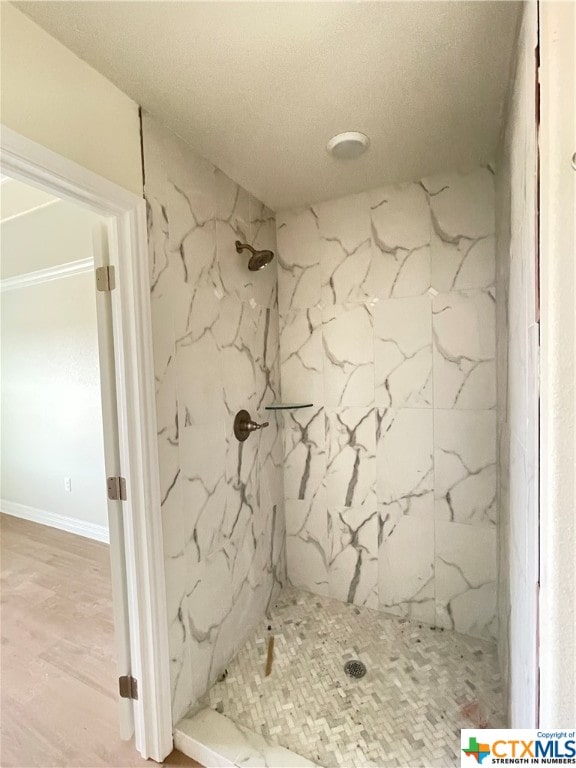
[259, 87]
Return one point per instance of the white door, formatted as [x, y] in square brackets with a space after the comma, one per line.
[113, 470]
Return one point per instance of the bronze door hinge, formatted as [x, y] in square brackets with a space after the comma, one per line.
[128, 687]
[116, 487]
[105, 279]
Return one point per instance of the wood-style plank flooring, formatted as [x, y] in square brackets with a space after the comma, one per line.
[57, 664]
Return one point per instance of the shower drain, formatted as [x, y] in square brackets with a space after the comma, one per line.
[355, 668]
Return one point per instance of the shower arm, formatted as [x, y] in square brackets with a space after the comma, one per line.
[244, 246]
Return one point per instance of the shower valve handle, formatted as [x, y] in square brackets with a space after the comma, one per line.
[244, 426]
[252, 426]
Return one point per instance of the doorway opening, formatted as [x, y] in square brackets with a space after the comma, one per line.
[58, 611]
[124, 472]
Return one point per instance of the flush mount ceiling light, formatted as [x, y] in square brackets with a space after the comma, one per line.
[348, 145]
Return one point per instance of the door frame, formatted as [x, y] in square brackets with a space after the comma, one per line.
[557, 604]
[34, 164]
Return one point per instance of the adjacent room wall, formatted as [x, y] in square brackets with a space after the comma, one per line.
[517, 342]
[51, 410]
[51, 96]
[387, 324]
[44, 237]
[215, 339]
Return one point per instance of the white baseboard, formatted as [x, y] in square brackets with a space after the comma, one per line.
[70, 524]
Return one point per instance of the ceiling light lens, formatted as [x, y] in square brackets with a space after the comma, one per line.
[348, 145]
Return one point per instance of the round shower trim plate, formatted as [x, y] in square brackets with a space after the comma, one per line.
[348, 145]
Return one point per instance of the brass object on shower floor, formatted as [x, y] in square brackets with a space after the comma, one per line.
[270, 657]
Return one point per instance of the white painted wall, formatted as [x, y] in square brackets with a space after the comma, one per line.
[51, 96]
[517, 341]
[558, 366]
[18, 199]
[50, 387]
[46, 237]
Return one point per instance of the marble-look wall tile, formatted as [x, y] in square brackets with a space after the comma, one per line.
[325, 254]
[304, 452]
[351, 457]
[271, 462]
[190, 210]
[406, 564]
[242, 480]
[464, 349]
[403, 352]
[232, 223]
[401, 232]
[216, 350]
[353, 554]
[240, 217]
[404, 460]
[199, 401]
[263, 237]
[168, 427]
[162, 301]
[348, 345]
[235, 333]
[202, 463]
[195, 309]
[463, 264]
[307, 542]
[463, 243]
[267, 354]
[465, 466]
[345, 249]
[301, 356]
[157, 225]
[299, 272]
[388, 326]
[462, 204]
[213, 617]
[466, 578]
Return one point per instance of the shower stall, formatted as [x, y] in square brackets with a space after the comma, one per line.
[347, 425]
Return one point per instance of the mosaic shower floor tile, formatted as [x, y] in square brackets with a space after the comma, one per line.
[421, 686]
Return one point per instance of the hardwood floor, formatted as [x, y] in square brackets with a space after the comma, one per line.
[58, 672]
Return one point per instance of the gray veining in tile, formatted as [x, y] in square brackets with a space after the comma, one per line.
[387, 324]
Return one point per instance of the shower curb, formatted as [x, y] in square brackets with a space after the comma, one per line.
[216, 741]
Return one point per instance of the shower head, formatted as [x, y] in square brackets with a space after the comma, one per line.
[258, 260]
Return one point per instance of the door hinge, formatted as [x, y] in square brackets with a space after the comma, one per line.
[116, 488]
[128, 687]
[105, 279]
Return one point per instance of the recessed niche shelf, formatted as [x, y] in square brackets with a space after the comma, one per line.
[286, 406]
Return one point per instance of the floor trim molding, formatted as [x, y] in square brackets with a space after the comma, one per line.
[51, 519]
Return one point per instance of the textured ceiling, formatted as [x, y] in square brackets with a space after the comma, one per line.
[259, 87]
